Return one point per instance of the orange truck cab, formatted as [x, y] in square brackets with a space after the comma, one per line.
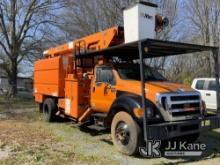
[113, 84]
[102, 80]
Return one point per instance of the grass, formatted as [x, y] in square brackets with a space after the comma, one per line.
[16, 103]
[30, 140]
[33, 141]
[36, 143]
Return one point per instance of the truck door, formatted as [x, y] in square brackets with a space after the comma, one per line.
[199, 85]
[210, 95]
[103, 89]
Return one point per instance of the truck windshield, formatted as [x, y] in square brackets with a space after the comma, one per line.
[132, 72]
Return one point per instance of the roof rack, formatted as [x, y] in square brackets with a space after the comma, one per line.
[152, 49]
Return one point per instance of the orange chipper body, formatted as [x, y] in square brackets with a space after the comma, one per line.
[60, 75]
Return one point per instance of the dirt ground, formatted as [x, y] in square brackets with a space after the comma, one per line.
[26, 139]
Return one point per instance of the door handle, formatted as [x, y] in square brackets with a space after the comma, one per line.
[208, 94]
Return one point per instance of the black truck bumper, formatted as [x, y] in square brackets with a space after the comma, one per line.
[164, 131]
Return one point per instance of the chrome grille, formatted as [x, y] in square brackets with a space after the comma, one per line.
[180, 104]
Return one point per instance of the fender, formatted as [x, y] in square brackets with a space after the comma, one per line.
[126, 102]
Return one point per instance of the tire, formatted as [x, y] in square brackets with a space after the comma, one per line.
[49, 110]
[126, 134]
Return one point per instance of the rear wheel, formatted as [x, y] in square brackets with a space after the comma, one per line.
[49, 110]
[126, 134]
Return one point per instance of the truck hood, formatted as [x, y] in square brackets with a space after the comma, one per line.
[166, 86]
[152, 87]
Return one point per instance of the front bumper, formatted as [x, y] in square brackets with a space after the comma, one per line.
[170, 130]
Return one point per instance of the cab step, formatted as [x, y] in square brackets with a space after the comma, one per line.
[85, 115]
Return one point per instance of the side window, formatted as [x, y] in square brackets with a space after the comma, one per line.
[212, 85]
[200, 84]
[105, 74]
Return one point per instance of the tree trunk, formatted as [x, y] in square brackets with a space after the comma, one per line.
[12, 79]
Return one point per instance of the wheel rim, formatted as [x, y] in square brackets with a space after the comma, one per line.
[122, 133]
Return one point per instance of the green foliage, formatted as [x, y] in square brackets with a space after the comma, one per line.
[187, 80]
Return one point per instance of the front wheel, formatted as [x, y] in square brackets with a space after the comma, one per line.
[126, 134]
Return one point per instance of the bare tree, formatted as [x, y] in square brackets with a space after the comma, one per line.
[204, 17]
[22, 28]
[85, 17]
[200, 25]
[169, 9]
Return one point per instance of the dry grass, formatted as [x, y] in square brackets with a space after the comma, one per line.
[33, 142]
[16, 103]
[26, 139]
